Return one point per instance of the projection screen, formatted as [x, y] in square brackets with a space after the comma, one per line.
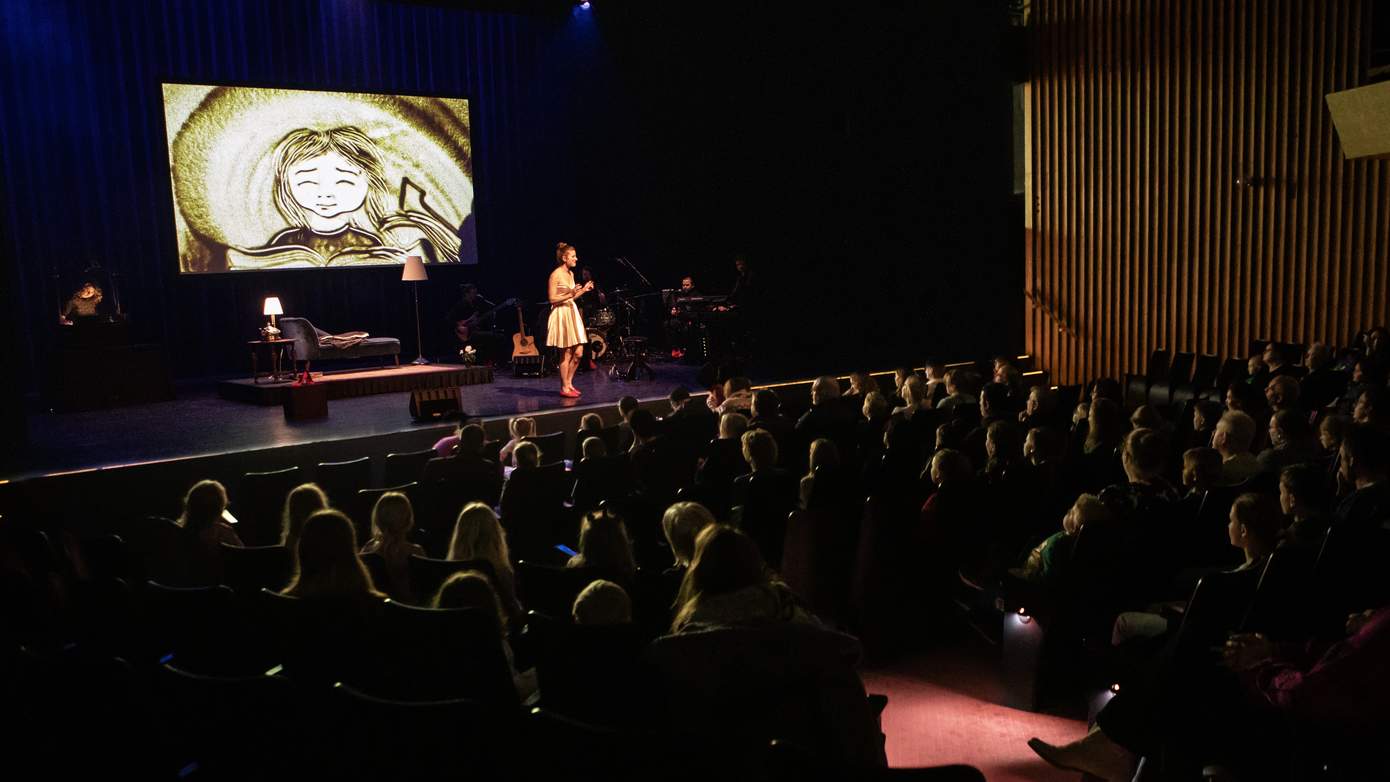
[267, 178]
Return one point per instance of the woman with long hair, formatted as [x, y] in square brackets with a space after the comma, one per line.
[327, 565]
[302, 501]
[565, 328]
[604, 543]
[203, 523]
[478, 534]
[729, 585]
[392, 519]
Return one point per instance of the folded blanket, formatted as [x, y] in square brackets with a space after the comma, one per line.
[339, 341]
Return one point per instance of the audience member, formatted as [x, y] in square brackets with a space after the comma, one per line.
[1324, 383]
[1040, 408]
[520, 428]
[626, 407]
[602, 604]
[1048, 560]
[681, 523]
[392, 519]
[327, 566]
[767, 415]
[444, 446]
[1282, 393]
[593, 448]
[591, 424]
[1201, 470]
[827, 417]
[936, 382]
[1373, 408]
[960, 389]
[472, 589]
[1277, 364]
[302, 501]
[1291, 439]
[527, 456]
[1305, 500]
[738, 397]
[823, 454]
[1234, 433]
[206, 529]
[478, 535]
[468, 464]
[1205, 414]
[914, 393]
[1365, 468]
[604, 544]
[728, 585]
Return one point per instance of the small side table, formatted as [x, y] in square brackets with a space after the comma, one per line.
[281, 354]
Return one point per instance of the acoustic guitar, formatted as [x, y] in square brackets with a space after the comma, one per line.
[523, 345]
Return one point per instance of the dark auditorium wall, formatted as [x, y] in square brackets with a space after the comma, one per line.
[1188, 190]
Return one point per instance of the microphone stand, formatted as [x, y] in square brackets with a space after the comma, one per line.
[635, 270]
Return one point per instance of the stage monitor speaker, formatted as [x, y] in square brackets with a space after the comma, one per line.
[435, 404]
[1362, 118]
[528, 366]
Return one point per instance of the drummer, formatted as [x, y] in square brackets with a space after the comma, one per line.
[591, 304]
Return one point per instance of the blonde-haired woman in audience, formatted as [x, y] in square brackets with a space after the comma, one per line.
[914, 393]
[392, 519]
[604, 543]
[202, 520]
[301, 503]
[478, 534]
[603, 603]
[203, 506]
[593, 448]
[728, 585]
[472, 589]
[590, 425]
[823, 454]
[328, 565]
[520, 428]
[681, 523]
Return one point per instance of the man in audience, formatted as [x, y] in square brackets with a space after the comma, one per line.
[738, 397]
[1282, 392]
[1234, 433]
[467, 464]
[1365, 467]
[1291, 439]
[936, 382]
[691, 422]
[959, 390]
[1373, 408]
[1323, 384]
[994, 407]
[767, 415]
[827, 417]
[764, 497]
[1277, 366]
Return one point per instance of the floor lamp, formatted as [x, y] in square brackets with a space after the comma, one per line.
[414, 273]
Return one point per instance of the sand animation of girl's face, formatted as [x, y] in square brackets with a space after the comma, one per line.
[329, 188]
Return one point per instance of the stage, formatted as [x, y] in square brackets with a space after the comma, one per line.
[344, 384]
[201, 424]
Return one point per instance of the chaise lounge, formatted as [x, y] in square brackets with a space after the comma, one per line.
[312, 344]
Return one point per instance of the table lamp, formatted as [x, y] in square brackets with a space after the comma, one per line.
[414, 273]
[272, 308]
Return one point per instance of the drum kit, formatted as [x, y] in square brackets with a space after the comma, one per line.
[611, 336]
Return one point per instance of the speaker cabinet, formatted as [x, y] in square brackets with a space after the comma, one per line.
[435, 404]
[1362, 117]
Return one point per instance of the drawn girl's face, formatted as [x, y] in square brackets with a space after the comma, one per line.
[328, 186]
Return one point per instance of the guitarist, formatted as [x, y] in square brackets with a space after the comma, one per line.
[472, 321]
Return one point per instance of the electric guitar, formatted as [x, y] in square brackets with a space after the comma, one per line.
[523, 345]
[462, 327]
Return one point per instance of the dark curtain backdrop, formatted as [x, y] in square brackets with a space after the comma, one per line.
[860, 156]
[85, 165]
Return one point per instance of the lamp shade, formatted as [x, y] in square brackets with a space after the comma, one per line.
[414, 270]
[272, 306]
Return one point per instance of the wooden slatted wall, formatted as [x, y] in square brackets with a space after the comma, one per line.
[1187, 187]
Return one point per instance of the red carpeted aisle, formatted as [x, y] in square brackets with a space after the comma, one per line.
[942, 708]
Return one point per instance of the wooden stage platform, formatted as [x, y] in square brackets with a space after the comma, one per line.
[346, 384]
